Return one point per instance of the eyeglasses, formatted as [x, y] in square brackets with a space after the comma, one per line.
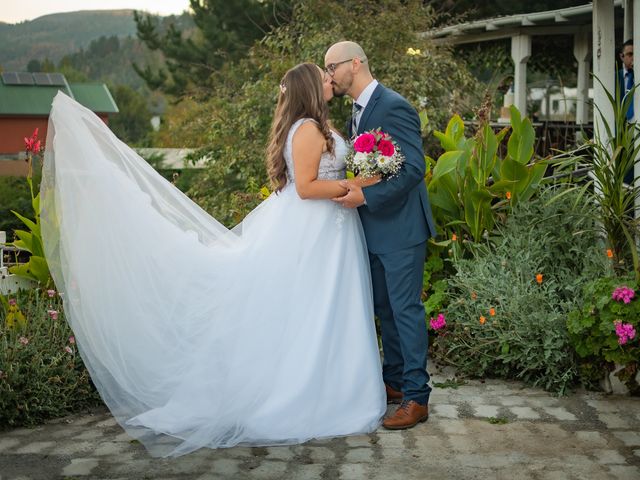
[331, 68]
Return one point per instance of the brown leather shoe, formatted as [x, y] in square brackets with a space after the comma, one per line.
[393, 396]
[408, 415]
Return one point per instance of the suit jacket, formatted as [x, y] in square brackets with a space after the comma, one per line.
[397, 213]
[622, 86]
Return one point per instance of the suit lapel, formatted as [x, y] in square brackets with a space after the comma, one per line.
[370, 106]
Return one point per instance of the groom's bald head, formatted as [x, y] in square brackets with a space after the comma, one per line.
[344, 50]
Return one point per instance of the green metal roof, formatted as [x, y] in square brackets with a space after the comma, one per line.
[95, 96]
[37, 99]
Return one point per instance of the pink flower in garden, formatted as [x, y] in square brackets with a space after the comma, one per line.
[364, 143]
[12, 301]
[51, 293]
[438, 323]
[68, 349]
[53, 314]
[624, 331]
[623, 293]
[386, 148]
[72, 340]
[23, 340]
[32, 144]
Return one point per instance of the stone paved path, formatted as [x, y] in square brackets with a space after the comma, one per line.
[492, 430]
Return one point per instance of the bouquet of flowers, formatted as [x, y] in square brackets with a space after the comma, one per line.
[374, 153]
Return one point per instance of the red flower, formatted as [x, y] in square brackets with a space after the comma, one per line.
[386, 148]
[364, 143]
[32, 144]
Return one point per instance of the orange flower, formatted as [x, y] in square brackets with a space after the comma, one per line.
[508, 195]
[539, 278]
[492, 312]
[474, 295]
[609, 253]
[482, 320]
[454, 237]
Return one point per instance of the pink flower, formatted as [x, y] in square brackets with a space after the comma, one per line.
[72, 340]
[386, 148]
[32, 144]
[12, 301]
[624, 331]
[23, 340]
[623, 293]
[438, 323]
[51, 293]
[53, 314]
[364, 143]
[68, 349]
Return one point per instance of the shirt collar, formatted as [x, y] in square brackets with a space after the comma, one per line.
[365, 96]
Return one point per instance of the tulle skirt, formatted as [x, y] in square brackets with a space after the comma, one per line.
[196, 335]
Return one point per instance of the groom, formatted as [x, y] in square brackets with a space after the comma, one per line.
[397, 221]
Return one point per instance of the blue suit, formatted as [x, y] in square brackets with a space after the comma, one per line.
[397, 223]
[625, 83]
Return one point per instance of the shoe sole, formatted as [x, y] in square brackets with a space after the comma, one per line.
[394, 401]
[404, 427]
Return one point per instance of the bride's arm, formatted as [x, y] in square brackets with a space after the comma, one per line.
[308, 144]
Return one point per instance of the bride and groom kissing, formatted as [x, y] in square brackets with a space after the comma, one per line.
[263, 334]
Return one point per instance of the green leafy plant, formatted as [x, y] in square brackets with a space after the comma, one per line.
[612, 153]
[605, 331]
[507, 304]
[471, 183]
[41, 373]
[36, 268]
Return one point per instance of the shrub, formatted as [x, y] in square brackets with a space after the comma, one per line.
[41, 373]
[605, 330]
[508, 303]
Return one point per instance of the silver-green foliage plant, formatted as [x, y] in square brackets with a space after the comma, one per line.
[508, 303]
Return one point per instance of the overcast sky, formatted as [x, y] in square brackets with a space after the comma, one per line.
[13, 11]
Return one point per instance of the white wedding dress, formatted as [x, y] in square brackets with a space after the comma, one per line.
[196, 335]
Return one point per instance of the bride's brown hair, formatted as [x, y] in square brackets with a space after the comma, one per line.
[300, 97]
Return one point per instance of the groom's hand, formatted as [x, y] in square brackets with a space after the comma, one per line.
[354, 197]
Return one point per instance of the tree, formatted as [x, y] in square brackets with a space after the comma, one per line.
[233, 125]
[224, 32]
[133, 123]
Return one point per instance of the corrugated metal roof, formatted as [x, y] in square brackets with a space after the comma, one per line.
[579, 15]
[37, 99]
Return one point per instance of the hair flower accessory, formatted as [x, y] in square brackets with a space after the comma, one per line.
[283, 88]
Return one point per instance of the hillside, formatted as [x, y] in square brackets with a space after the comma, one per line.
[57, 35]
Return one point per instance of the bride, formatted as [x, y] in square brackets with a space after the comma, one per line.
[199, 336]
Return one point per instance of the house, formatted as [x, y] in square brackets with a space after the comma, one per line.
[25, 103]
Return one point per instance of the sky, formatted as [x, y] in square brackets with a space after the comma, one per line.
[13, 11]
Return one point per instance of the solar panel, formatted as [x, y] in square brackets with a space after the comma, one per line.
[42, 78]
[10, 78]
[57, 79]
[25, 78]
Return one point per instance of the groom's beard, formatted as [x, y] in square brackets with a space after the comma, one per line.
[338, 91]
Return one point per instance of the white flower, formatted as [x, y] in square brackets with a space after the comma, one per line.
[360, 158]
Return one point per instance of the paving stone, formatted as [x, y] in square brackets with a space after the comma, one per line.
[359, 441]
[511, 400]
[609, 456]
[359, 455]
[225, 467]
[525, 413]
[444, 411]
[591, 438]
[611, 420]
[80, 466]
[34, 447]
[391, 439]
[630, 439]
[306, 472]
[560, 413]
[281, 453]
[8, 443]
[625, 472]
[453, 427]
[322, 454]
[486, 410]
[269, 470]
[355, 471]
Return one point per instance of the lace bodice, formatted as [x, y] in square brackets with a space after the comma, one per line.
[332, 166]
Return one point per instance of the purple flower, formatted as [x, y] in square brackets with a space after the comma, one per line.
[68, 349]
[624, 331]
[12, 301]
[623, 293]
[51, 293]
[53, 314]
[438, 323]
